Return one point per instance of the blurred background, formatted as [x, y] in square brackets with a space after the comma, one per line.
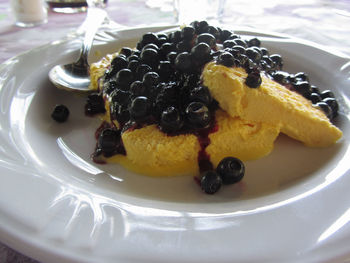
[326, 22]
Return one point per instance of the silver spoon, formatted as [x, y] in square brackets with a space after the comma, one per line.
[75, 76]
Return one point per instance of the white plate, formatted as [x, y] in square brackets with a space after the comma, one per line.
[56, 205]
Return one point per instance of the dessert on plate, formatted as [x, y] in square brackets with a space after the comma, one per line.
[200, 100]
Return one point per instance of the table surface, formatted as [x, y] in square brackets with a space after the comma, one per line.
[325, 22]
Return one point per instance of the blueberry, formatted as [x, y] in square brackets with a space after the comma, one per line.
[194, 24]
[281, 77]
[163, 35]
[214, 31]
[315, 97]
[166, 96]
[229, 43]
[240, 42]
[120, 96]
[191, 80]
[264, 52]
[149, 38]
[325, 108]
[109, 74]
[278, 60]
[183, 46]
[165, 49]
[118, 63]
[150, 79]
[171, 120]
[139, 45]
[202, 27]
[206, 38]
[162, 40]
[254, 42]
[210, 182]
[183, 62]
[151, 46]
[253, 54]
[301, 76]
[224, 35]
[94, 104]
[249, 65]
[242, 60]
[303, 88]
[120, 113]
[198, 115]
[165, 70]
[253, 79]
[124, 78]
[150, 57]
[171, 56]
[235, 53]
[176, 36]
[315, 89]
[126, 51]
[108, 141]
[267, 63]
[162, 102]
[60, 113]
[333, 104]
[201, 53]
[141, 70]
[327, 94]
[188, 32]
[215, 53]
[109, 86]
[234, 36]
[136, 52]
[140, 108]
[137, 89]
[226, 59]
[132, 58]
[200, 94]
[231, 170]
[239, 49]
[133, 64]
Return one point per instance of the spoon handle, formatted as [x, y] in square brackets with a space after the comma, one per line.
[94, 19]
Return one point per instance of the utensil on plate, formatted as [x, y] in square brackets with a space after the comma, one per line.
[75, 76]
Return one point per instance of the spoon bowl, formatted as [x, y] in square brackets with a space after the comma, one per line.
[75, 76]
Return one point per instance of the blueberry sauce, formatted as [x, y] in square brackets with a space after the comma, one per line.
[204, 162]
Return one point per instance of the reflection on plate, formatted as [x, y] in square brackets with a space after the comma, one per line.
[58, 206]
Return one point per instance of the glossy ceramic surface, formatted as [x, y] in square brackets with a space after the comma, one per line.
[56, 205]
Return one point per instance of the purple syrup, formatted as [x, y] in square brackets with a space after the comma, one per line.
[203, 158]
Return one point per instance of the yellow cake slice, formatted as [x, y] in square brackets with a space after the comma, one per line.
[271, 103]
[152, 152]
[246, 140]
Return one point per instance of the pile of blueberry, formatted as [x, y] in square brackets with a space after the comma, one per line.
[300, 83]
[159, 83]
